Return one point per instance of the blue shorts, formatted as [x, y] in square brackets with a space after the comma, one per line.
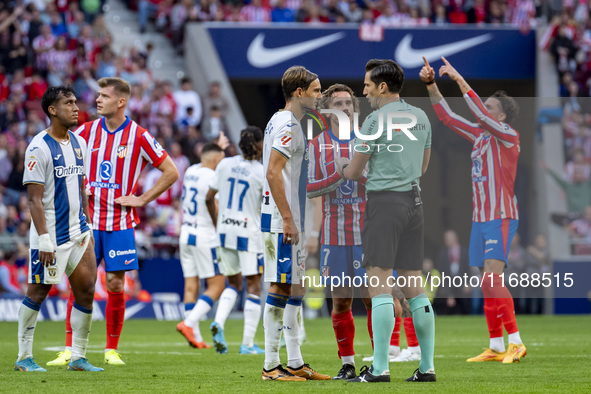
[117, 248]
[491, 240]
[341, 261]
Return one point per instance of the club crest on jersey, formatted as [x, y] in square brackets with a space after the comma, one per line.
[78, 152]
[122, 151]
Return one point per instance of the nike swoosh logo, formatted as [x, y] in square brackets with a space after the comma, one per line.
[487, 250]
[93, 150]
[129, 262]
[341, 340]
[406, 56]
[132, 310]
[260, 57]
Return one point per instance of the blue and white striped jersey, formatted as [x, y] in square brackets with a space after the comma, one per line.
[239, 183]
[284, 135]
[60, 168]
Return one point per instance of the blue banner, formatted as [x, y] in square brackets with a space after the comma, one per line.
[338, 52]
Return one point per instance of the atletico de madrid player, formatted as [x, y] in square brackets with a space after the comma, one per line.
[494, 222]
[118, 149]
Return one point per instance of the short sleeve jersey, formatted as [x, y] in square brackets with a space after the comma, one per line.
[396, 156]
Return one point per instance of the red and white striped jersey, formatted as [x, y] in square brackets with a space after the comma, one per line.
[343, 202]
[116, 160]
[494, 159]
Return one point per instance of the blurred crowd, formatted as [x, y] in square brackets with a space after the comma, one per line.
[53, 42]
[46, 43]
[568, 39]
[169, 16]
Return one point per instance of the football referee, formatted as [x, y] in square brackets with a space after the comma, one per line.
[393, 228]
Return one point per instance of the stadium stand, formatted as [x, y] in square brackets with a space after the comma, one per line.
[45, 43]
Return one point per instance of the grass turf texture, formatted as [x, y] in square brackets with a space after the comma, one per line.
[160, 360]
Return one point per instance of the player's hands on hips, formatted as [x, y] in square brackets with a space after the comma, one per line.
[427, 73]
[290, 232]
[448, 70]
[130, 201]
[46, 250]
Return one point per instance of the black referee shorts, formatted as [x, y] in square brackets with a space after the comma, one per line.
[393, 231]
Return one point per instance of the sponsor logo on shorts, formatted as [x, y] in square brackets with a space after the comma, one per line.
[491, 241]
[127, 262]
[300, 260]
[487, 250]
[356, 264]
[113, 253]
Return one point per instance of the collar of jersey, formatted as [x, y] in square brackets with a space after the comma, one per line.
[123, 125]
[332, 136]
[395, 104]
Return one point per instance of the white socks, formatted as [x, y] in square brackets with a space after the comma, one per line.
[27, 320]
[515, 338]
[273, 325]
[225, 305]
[81, 320]
[188, 308]
[348, 360]
[252, 315]
[204, 304]
[291, 331]
[497, 344]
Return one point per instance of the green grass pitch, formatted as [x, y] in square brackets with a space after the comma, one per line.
[160, 360]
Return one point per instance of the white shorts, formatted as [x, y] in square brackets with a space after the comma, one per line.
[284, 263]
[67, 257]
[198, 261]
[234, 262]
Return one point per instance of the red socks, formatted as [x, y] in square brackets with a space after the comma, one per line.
[114, 314]
[498, 306]
[68, 325]
[493, 321]
[369, 327]
[409, 330]
[344, 331]
[395, 338]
